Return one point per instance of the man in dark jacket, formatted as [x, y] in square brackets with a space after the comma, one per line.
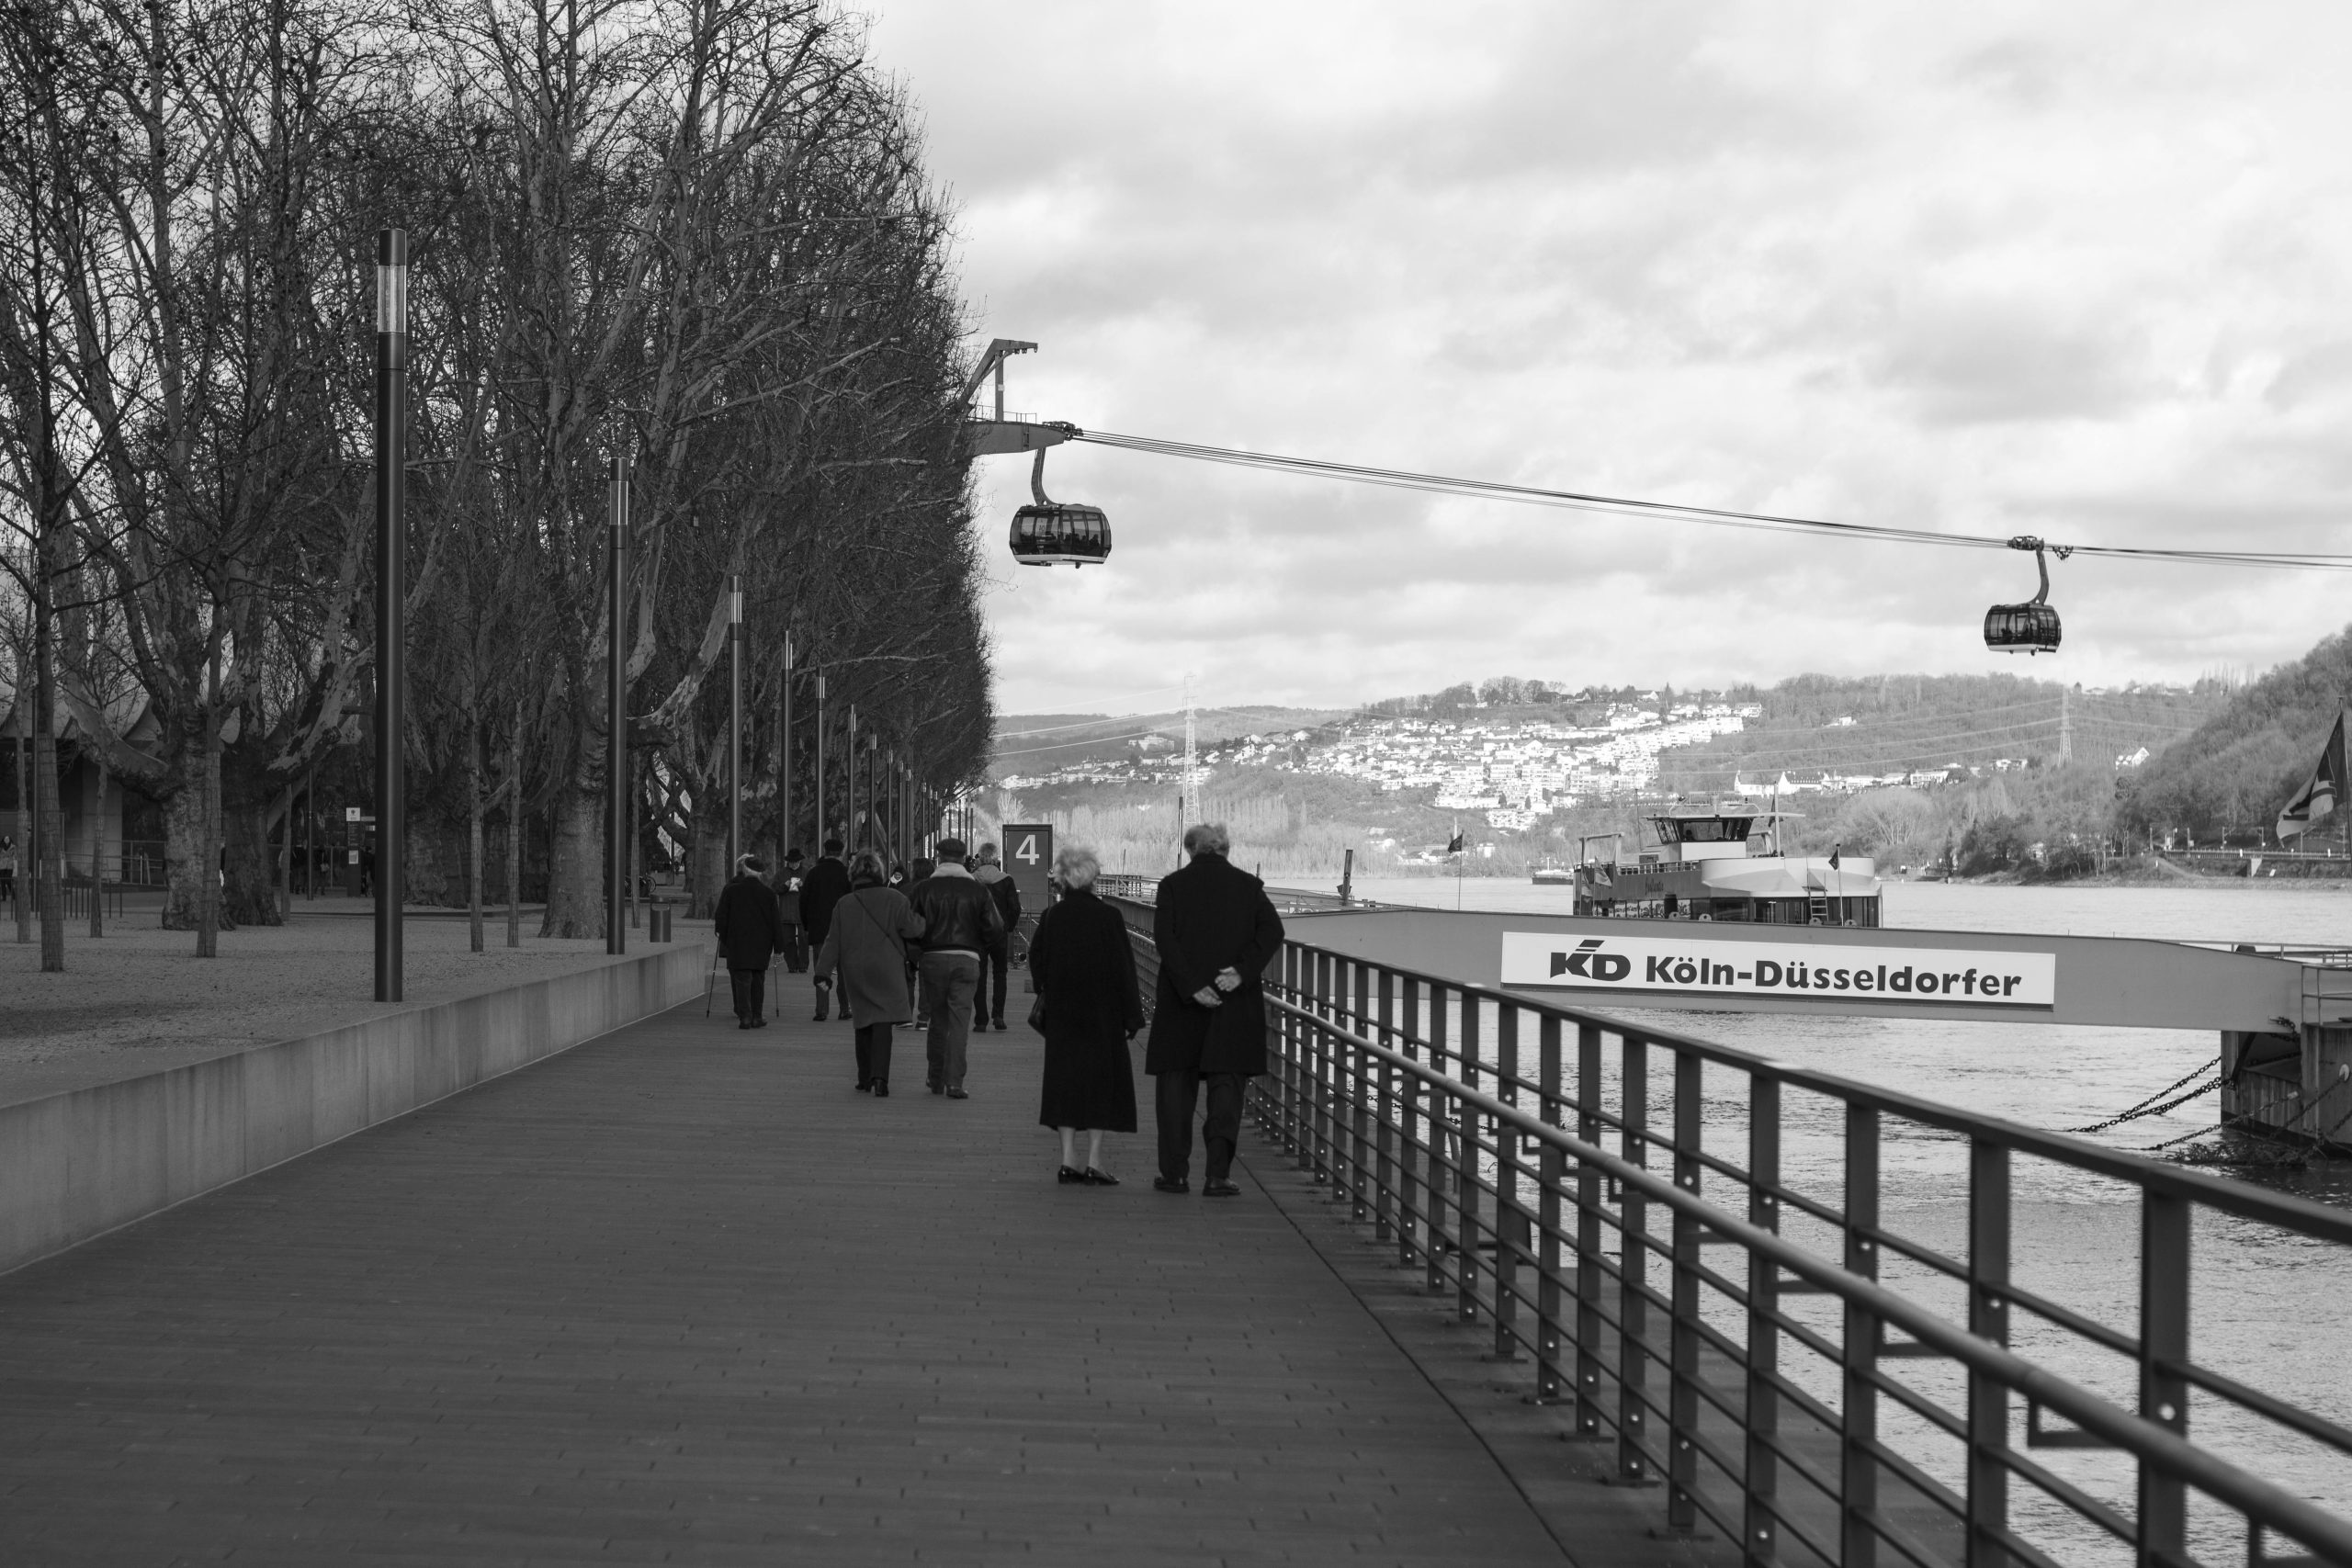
[788, 878]
[1216, 931]
[995, 963]
[749, 929]
[826, 885]
[959, 922]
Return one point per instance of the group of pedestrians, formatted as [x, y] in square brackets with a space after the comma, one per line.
[926, 951]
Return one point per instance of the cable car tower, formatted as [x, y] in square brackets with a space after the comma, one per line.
[2031, 626]
[1046, 532]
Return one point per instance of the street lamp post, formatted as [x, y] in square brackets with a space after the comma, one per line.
[734, 720]
[616, 769]
[849, 779]
[786, 838]
[817, 773]
[391, 594]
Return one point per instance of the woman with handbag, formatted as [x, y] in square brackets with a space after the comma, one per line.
[1088, 1007]
[866, 945]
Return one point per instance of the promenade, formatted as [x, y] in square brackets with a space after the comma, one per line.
[681, 1296]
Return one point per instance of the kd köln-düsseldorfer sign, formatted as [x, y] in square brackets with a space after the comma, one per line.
[1666, 967]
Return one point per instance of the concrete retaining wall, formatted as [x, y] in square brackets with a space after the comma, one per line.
[76, 1164]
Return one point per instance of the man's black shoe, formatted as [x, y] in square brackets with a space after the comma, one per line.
[936, 1086]
[1162, 1184]
[1220, 1189]
[957, 1093]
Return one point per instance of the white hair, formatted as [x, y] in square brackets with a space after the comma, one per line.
[1207, 839]
[1075, 866]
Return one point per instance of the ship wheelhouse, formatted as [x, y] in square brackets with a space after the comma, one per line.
[1714, 863]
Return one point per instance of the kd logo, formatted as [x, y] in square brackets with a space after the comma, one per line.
[1587, 963]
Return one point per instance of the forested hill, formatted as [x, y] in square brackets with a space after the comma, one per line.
[1885, 725]
[2238, 767]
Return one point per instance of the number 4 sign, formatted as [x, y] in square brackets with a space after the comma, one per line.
[1028, 859]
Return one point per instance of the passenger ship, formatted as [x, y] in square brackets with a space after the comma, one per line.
[1714, 862]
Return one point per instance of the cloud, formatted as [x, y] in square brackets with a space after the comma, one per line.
[1993, 269]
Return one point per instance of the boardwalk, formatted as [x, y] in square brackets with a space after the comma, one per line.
[681, 1296]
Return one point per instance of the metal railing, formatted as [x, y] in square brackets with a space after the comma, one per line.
[1543, 1181]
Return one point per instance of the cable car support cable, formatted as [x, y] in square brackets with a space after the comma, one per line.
[1725, 517]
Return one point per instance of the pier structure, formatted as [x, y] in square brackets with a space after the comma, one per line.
[1509, 1282]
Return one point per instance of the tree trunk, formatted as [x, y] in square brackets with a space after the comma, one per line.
[473, 832]
[710, 868]
[576, 866]
[247, 898]
[49, 878]
[184, 858]
[23, 892]
[99, 852]
[514, 831]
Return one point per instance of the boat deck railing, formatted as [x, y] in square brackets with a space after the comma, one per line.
[1794, 1366]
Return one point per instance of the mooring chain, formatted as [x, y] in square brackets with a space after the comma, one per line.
[2149, 1107]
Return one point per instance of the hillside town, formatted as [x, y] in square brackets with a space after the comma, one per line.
[1514, 771]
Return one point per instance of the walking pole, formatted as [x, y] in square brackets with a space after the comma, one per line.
[711, 980]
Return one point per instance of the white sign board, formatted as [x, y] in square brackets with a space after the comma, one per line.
[1665, 968]
[351, 814]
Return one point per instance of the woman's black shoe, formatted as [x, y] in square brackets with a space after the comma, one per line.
[1068, 1177]
[1095, 1178]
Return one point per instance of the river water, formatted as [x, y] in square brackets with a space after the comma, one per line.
[2270, 1309]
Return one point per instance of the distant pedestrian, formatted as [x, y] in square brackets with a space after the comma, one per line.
[789, 879]
[1085, 971]
[7, 867]
[749, 929]
[997, 961]
[826, 885]
[959, 922]
[865, 944]
[1215, 931]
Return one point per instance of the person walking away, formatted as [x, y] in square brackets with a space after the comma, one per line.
[1085, 971]
[1215, 931]
[749, 929]
[920, 870]
[998, 960]
[827, 886]
[959, 922]
[7, 867]
[865, 945]
[789, 879]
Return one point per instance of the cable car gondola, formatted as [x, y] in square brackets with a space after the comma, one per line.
[2031, 626]
[1059, 532]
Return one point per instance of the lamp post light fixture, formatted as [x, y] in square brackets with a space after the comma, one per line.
[391, 594]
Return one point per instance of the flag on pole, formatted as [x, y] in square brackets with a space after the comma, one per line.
[1453, 845]
[2318, 798]
[1835, 851]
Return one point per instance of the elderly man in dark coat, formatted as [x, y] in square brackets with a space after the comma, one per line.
[749, 929]
[1216, 931]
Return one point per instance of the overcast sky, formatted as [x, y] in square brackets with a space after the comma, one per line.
[2080, 270]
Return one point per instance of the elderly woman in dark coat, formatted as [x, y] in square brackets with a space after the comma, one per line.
[867, 944]
[1084, 970]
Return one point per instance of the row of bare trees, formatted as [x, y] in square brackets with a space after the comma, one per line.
[694, 233]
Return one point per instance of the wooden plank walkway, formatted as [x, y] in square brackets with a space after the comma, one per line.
[682, 1296]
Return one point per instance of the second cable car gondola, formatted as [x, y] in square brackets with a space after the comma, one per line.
[2033, 627]
[1059, 532]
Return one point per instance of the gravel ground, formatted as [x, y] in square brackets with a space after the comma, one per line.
[139, 1000]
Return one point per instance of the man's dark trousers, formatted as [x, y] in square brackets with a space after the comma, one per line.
[996, 961]
[751, 988]
[1177, 1094]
